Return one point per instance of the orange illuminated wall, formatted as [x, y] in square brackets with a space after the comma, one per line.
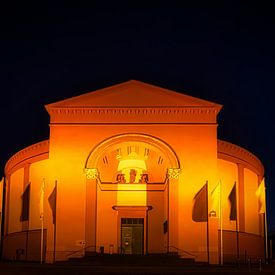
[228, 176]
[14, 208]
[251, 202]
[38, 174]
[99, 136]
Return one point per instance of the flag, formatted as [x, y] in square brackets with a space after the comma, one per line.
[233, 203]
[260, 193]
[1, 192]
[200, 205]
[1, 195]
[25, 204]
[215, 199]
[52, 202]
[41, 200]
[165, 227]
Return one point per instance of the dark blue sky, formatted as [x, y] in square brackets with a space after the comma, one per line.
[222, 52]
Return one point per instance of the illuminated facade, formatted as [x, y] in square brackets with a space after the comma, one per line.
[1, 202]
[127, 163]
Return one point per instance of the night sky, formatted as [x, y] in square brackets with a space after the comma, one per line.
[224, 52]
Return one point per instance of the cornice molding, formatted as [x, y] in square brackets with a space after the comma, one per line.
[26, 154]
[130, 114]
[134, 110]
[237, 154]
[132, 207]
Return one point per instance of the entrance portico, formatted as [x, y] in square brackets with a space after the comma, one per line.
[128, 190]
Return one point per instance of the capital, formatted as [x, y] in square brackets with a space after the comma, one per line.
[91, 173]
[173, 173]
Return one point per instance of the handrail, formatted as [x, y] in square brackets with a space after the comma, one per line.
[81, 250]
[181, 250]
[93, 246]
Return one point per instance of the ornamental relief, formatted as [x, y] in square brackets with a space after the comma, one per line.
[91, 173]
[173, 173]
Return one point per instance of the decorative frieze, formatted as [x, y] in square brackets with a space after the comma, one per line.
[160, 115]
[133, 110]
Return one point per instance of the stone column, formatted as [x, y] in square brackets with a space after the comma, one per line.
[91, 209]
[173, 223]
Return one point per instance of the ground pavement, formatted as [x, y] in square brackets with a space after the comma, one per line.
[21, 268]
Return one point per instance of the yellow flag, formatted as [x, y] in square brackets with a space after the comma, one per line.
[215, 199]
[260, 193]
[1, 194]
[41, 200]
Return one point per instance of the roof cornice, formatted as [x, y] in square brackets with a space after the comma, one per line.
[194, 114]
[237, 154]
[27, 155]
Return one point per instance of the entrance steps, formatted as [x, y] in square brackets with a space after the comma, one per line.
[170, 259]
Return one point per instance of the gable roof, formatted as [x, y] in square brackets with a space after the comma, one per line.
[132, 94]
[133, 102]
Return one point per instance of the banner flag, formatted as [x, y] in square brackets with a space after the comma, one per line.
[215, 199]
[25, 204]
[1, 195]
[52, 202]
[1, 192]
[260, 193]
[199, 213]
[41, 200]
[233, 202]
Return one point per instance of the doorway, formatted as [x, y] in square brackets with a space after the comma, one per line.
[132, 234]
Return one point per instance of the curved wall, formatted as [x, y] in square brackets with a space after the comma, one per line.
[236, 154]
[28, 166]
[30, 154]
[237, 165]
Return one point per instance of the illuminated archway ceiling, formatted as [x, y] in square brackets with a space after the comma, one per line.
[142, 157]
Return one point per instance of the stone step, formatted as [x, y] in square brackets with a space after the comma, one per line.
[170, 259]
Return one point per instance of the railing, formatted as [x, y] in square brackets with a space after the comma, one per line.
[82, 250]
[241, 246]
[95, 249]
[24, 245]
[181, 251]
[257, 263]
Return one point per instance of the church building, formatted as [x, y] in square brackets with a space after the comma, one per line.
[134, 169]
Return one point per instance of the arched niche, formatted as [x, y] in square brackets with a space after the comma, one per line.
[132, 158]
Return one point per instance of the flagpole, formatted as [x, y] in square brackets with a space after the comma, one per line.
[207, 222]
[265, 239]
[221, 223]
[42, 240]
[261, 195]
[265, 225]
[54, 226]
[237, 232]
[42, 221]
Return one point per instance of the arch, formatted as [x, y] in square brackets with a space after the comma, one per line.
[97, 151]
[122, 153]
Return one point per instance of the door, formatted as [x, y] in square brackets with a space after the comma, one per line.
[132, 235]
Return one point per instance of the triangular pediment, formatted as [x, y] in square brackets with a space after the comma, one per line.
[132, 94]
